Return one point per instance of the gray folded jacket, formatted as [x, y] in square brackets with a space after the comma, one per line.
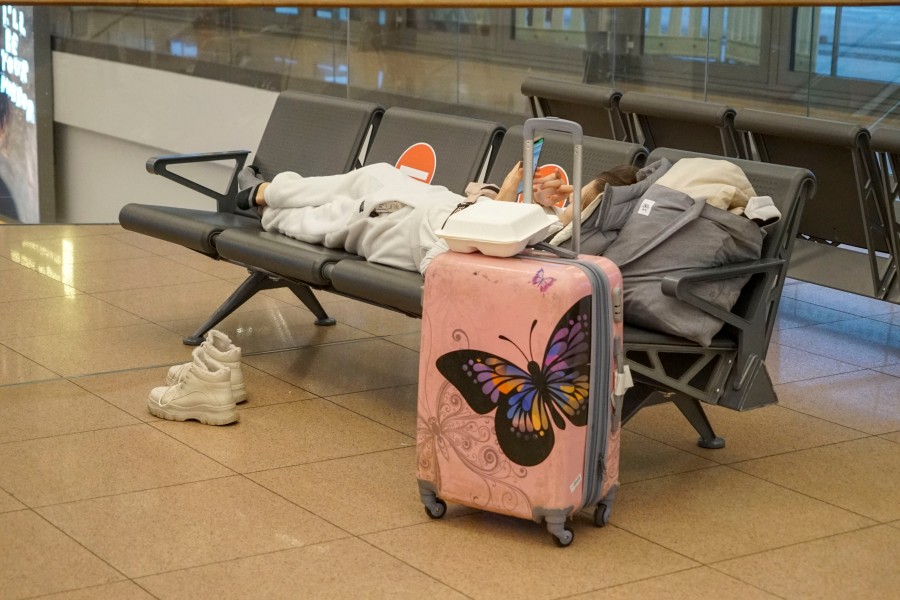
[650, 230]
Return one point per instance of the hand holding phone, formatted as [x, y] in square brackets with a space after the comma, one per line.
[536, 153]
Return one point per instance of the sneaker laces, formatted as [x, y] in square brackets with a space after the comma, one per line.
[172, 392]
[182, 371]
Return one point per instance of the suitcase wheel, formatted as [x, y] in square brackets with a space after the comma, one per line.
[564, 538]
[436, 508]
[601, 514]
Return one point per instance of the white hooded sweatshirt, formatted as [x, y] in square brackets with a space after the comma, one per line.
[375, 211]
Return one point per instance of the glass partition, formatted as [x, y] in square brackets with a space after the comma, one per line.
[830, 62]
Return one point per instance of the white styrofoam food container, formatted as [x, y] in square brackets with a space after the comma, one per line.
[496, 228]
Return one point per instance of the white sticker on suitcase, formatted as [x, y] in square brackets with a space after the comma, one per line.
[574, 485]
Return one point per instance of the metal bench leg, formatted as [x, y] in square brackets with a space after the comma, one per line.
[254, 283]
[695, 414]
[310, 301]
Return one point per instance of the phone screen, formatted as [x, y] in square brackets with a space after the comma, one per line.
[536, 152]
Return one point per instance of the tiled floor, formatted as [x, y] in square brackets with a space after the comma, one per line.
[312, 494]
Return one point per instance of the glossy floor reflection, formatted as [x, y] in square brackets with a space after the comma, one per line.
[312, 494]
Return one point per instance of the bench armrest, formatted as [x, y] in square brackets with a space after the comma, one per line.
[158, 165]
[679, 283]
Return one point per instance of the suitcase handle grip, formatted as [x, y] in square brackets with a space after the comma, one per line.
[553, 124]
[561, 126]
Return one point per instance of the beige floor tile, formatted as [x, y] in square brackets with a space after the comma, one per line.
[91, 464]
[45, 316]
[205, 522]
[150, 244]
[858, 564]
[15, 368]
[865, 400]
[862, 476]
[374, 320]
[393, 407]
[326, 299]
[283, 435]
[752, 434]
[892, 318]
[838, 300]
[488, 556]
[702, 583]
[36, 558]
[128, 390]
[55, 230]
[20, 240]
[643, 458]
[343, 368]
[863, 342]
[68, 250]
[6, 264]
[54, 408]
[24, 284]
[796, 313]
[413, 341]
[269, 330]
[102, 350]
[719, 513]
[8, 503]
[347, 568]
[122, 590]
[786, 364]
[186, 301]
[133, 273]
[891, 370]
[893, 437]
[218, 268]
[361, 494]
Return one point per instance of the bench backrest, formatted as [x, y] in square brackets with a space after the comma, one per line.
[315, 135]
[595, 108]
[847, 208]
[461, 147]
[666, 122]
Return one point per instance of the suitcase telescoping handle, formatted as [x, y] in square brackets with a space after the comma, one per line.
[563, 126]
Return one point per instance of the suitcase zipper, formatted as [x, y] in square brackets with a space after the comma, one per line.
[598, 426]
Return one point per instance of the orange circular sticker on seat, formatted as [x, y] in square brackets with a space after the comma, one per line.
[543, 171]
[419, 162]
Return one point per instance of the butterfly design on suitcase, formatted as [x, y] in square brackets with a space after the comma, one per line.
[530, 401]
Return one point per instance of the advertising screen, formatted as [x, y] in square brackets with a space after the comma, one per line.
[20, 118]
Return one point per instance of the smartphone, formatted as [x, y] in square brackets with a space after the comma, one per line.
[536, 152]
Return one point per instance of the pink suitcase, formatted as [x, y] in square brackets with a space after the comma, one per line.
[518, 411]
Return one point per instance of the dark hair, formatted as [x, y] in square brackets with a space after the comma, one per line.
[618, 175]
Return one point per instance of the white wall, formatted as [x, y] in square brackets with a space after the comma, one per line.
[111, 117]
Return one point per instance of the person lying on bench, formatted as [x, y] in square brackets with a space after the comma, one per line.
[385, 216]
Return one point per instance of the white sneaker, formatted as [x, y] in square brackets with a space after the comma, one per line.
[217, 346]
[203, 394]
